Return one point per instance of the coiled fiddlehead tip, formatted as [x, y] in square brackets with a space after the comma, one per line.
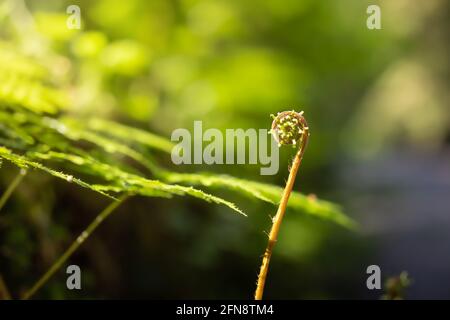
[288, 127]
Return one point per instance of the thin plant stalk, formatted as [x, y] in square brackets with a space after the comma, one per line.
[74, 246]
[277, 219]
[12, 186]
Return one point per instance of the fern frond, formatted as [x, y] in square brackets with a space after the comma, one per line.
[266, 192]
[121, 181]
[25, 163]
[125, 133]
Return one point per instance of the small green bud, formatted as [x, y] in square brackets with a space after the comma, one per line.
[287, 127]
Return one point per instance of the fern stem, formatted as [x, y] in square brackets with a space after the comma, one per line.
[277, 219]
[74, 246]
[12, 186]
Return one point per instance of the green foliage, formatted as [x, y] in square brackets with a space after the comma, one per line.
[36, 134]
[266, 192]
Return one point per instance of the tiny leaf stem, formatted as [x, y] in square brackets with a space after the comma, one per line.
[12, 186]
[74, 246]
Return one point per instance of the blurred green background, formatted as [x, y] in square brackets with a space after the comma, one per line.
[377, 102]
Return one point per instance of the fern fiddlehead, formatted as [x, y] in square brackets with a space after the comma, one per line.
[288, 128]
